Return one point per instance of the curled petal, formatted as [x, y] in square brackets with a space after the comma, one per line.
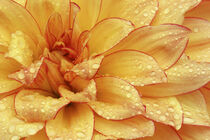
[165, 110]
[37, 105]
[41, 135]
[73, 122]
[108, 33]
[198, 48]
[172, 11]
[132, 128]
[165, 43]
[185, 76]
[116, 99]
[10, 126]
[140, 12]
[133, 66]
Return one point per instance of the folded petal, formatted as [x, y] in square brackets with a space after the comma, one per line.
[163, 132]
[198, 48]
[166, 43]
[165, 110]
[107, 33]
[173, 11]
[132, 128]
[37, 105]
[140, 12]
[41, 135]
[201, 11]
[116, 99]
[99, 136]
[133, 66]
[12, 128]
[190, 132]
[185, 76]
[206, 93]
[42, 9]
[73, 122]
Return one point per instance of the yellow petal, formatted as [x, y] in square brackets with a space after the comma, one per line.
[73, 122]
[132, 128]
[165, 110]
[166, 43]
[10, 126]
[172, 11]
[201, 11]
[37, 105]
[116, 99]
[41, 10]
[163, 132]
[140, 12]
[205, 92]
[108, 33]
[41, 135]
[133, 66]
[198, 48]
[185, 76]
[190, 132]
[99, 136]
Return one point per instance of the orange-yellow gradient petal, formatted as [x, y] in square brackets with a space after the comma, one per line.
[172, 11]
[132, 128]
[165, 43]
[12, 128]
[41, 135]
[116, 99]
[140, 12]
[166, 110]
[133, 66]
[73, 122]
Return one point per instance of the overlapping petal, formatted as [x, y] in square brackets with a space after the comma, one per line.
[132, 128]
[133, 66]
[10, 126]
[73, 122]
[116, 99]
[41, 135]
[166, 43]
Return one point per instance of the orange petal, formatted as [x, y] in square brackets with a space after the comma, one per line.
[88, 94]
[198, 48]
[207, 85]
[73, 122]
[140, 12]
[185, 76]
[190, 132]
[133, 66]
[116, 99]
[163, 132]
[132, 128]
[42, 9]
[205, 92]
[88, 68]
[108, 33]
[12, 128]
[165, 110]
[41, 135]
[99, 136]
[165, 43]
[37, 105]
[173, 11]
[201, 11]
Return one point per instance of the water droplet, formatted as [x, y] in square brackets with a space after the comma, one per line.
[31, 131]
[80, 134]
[15, 138]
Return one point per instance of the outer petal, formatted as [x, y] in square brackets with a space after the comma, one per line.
[172, 11]
[202, 10]
[108, 33]
[198, 48]
[42, 9]
[165, 43]
[133, 66]
[206, 93]
[73, 122]
[132, 128]
[185, 76]
[165, 110]
[116, 99]
[10, 126]
[190, 132]
[163, 132]
[41, 135]
[37, 105]
[140, 12]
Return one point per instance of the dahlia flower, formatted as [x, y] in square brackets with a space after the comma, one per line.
[104, 70]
